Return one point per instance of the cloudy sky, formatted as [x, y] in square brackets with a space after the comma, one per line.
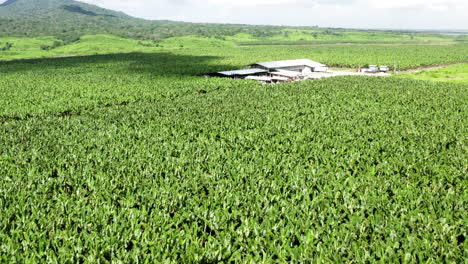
[400, 14]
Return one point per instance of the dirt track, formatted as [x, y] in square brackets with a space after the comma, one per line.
[431, 67]
[412, 69]
[329, 74]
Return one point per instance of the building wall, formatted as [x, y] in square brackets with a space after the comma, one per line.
[296, 68]
[305, 69]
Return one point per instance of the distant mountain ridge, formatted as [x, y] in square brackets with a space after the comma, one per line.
[68, 19]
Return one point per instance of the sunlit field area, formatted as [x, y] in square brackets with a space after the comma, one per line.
[454, 74]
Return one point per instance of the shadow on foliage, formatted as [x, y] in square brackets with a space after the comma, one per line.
[161, 63]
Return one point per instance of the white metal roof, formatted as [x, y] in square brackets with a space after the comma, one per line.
[243, 72]
[288, 63]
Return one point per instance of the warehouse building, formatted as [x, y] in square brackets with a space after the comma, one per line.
[275, 71]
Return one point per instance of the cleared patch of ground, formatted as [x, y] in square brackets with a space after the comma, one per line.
[457, 73]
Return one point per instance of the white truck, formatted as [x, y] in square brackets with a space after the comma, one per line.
[384, 68]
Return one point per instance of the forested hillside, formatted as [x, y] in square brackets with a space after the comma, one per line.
[68, 20]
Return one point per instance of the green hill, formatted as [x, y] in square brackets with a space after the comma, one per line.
[38, 28]
[53, 9]
[68, 20]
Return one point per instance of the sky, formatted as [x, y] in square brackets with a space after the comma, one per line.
[390, 14]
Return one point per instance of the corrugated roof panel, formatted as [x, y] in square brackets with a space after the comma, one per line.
[243, 72]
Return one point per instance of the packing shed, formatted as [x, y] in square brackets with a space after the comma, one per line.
[275, 71]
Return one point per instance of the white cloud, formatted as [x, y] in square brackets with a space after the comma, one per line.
[373, 3]
[250, 2]
[422, 4]
[421, 14]
[404, 14]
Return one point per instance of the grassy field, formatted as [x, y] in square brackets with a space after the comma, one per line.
[293, 36]
[455, 74]
[223, 53]
[133, 158]
[43, 47]
[403, 56]
[92, 44]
